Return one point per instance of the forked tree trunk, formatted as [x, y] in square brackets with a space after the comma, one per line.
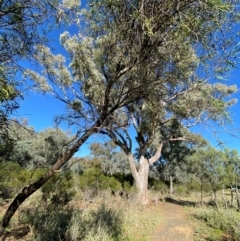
[30, 189]
[140, 176]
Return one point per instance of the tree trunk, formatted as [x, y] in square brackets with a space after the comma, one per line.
[215, 197]
[142, 181]
[171, 185]
[237, 197]
[141, 176]
[231, 198]
[30, 189]
[223, 196]
[201, 192]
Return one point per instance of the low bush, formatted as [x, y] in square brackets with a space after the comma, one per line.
[53, 220]
[50, 223]
[13, 178]
[158, 186]
[225, 220]
[93, 178]
[59, 190]
[102, 224]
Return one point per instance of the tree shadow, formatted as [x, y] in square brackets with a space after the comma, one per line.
[17, 233]
[181, 202]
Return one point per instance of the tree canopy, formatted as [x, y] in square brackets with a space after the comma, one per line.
[151, 66]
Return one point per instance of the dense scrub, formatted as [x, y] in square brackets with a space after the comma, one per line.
[13, 177]
[227, 221]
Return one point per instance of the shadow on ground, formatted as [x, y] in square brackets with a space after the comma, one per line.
[181, 202]
[17, 233]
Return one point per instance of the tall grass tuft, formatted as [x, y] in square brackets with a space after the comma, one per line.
[226, 220]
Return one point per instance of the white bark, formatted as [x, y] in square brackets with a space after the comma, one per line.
[141, 176]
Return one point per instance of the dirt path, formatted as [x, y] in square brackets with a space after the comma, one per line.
[175, 226]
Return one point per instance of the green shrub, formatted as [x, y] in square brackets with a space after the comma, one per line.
[93, 178]
[13, 178]
[50, 223]
[126, 186]
[158, 186]
[50, 219]
[225, 220]
[182, 190]
[59, 189]
[101, 224]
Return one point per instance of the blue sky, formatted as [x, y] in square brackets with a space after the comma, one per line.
[40, 111]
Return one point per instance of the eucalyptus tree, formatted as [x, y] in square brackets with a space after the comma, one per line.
[186, 46]
[141, 63]
[37, 149]
[23, 25]
[146, 65]
[208, 165]
[112, 160]
[232, 173]
[173, 161]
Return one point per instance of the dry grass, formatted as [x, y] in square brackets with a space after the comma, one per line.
[138, 222]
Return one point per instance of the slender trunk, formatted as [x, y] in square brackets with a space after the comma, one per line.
[201, 192]
[171, 185]
[237, 197]
[215, 197]
[30, 189]
[223, 197]
[231, 198]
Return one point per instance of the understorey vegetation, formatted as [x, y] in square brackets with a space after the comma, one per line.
[91, 197]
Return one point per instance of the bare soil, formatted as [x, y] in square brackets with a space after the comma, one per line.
[176, 224]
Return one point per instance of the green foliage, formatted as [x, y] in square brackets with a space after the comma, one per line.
[7, 92]
[225, 220]
[7, 143]
[13, 177]
[208, 164]
[8, 104]
[94, 178]
[102, 224]
[49, 223]
[52, 223]
[127, 186]
[33, 149]
[58, 191]
[112, 159]
[50, 218]
[157, 185]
